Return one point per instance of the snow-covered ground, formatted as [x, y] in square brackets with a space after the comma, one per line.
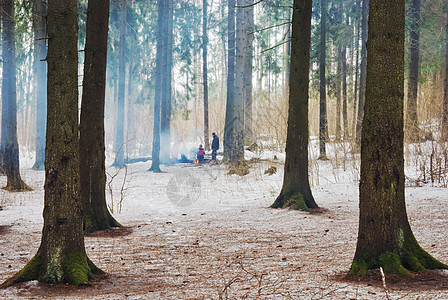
[197, 233]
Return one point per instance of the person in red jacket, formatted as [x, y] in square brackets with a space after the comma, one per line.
[201, 153]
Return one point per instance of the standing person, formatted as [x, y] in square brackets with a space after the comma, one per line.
[215, 146]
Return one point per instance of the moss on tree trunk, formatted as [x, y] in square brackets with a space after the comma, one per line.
[408, 257]
[385, 237]
[75, 269]
[61, 257]
[92, 145]
[296, 191]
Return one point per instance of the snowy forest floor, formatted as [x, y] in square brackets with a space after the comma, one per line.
[194, 232]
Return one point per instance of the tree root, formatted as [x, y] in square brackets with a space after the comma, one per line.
[77, 269]
[411, 258]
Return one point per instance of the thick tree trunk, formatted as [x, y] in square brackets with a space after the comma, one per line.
[296, 192]
[385, 238]
[323, 133]
[228, 130]
[204, 73]
[165, 113]
[40, 53]
[119, 130]
[414, 50]
[363, 71]
[61, 257]
[10, 146]
[91, 129]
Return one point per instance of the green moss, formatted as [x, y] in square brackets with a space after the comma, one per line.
[93, 268]
[322, 157]
[391, 263]
[77, 268]
[417, 259]
[88, 224]
[358, 268]
[296, 201]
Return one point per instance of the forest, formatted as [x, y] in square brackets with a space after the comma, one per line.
[224, 149]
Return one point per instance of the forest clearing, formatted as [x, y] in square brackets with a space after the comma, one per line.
[230, 149]
[227, 243]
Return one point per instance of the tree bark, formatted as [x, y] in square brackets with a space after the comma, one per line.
[344, 91]
[385, 238]
[248, 119]
[323, 133]
[355, 89]
[338, 89]
[160, 59]
[119, 130]
[228, 130]
[414, 50]
[40, 53]
[445, 89]
[363, 71]
[61, 257]
[236, 154]
[165, 113]
[91, 129]
[10, 146]
[296, 192]
[204, 73]
[131, 134]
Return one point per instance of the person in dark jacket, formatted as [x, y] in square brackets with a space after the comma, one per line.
[215, 146]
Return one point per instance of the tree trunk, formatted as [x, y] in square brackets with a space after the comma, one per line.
[40, 53]
[445, 90]
[296, 192]
[355, 89]
[10, 145]
[91, 129]
[160, 59]
[131, 134]
[288, 53]
[248, 119]
[228, 130]
[165, 113]
[119, 130]
[414, 40]
[338, 84]
[344, 90]
[385, 238]
[204, 73]
[61, 257]
[323, 133]
[237, 147]
[363, 72]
